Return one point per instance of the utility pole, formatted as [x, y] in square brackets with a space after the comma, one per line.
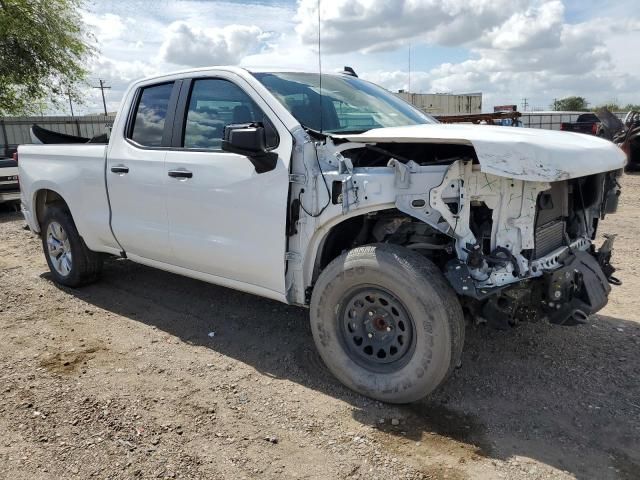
[102, 88]
[525, 104]
[70, 103]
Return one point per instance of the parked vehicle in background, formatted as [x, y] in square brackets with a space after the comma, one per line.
[628, 138]
[505, 119]
[9, 184]
[587, 123]
[387, 227]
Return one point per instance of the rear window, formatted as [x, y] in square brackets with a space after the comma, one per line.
[151, 112]
[587, 117]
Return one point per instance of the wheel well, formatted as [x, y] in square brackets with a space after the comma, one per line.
[386, 226]
[44, 199]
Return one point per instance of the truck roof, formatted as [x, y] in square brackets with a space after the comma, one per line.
[236, 69]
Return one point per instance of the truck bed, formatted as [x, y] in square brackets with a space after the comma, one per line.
[76, 173]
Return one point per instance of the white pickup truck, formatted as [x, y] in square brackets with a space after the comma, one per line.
[342, 198]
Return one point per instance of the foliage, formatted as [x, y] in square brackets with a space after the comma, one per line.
[571, 104]
[43, 52]
[614, 107]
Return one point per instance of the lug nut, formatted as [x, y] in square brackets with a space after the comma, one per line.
[370, 313]
[370, 335]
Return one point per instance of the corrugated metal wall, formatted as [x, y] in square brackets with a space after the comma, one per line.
[15, 130]
[443, 103]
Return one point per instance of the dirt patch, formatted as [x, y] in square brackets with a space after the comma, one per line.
[68, 362]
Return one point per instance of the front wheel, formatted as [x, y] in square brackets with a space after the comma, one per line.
[69, 259]
[386, 323]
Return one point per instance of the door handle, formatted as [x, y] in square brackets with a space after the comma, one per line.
[120, 169]
[180, 173]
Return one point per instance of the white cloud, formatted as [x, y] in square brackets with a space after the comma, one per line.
[538, 26]
[508, 49]
[536, 54]
[105, 27]
[186, 45]
[372, 25]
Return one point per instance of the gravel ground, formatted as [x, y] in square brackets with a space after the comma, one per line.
[151, 375]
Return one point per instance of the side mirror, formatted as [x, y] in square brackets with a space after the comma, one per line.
[250, 140]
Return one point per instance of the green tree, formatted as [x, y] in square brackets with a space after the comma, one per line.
[44, 49]
[612, 107]
[571, 104]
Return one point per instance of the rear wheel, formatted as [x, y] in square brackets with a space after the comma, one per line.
[386, 323]
[70, 261]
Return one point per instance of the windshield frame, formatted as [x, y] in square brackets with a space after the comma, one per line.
[385, 109]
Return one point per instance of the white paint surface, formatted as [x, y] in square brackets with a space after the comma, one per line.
[520, 153]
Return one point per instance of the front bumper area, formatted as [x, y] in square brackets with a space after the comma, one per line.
[577, 284]
[576, 290]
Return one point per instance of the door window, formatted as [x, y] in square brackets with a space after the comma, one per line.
[151, 112]
[214, 104]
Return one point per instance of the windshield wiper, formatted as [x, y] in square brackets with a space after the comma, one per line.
[321, 135]
[347, 132]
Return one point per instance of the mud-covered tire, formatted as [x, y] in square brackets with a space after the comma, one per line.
[413, 288]
[85, 265]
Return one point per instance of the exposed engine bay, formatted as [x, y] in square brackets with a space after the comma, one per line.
[512, 249]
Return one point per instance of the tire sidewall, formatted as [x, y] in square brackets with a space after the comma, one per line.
[430, 358]
[56, 214]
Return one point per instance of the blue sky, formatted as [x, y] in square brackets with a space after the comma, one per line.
[508, 49]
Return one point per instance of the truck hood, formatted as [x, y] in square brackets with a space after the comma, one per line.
[520, 153]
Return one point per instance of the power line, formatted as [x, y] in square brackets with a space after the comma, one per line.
[102, 88]
[409, 81]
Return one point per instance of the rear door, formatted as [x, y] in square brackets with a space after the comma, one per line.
[224, 218]
[136, 173]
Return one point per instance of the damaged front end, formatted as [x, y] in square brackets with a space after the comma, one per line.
[523, 249]
[519, 249]
[509, 218]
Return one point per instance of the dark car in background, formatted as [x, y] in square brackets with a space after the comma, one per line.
[588, 123]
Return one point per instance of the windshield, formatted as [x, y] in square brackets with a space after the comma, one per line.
[349, 105]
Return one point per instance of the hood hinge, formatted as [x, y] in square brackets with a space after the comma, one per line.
[293, 257]
[298, 178]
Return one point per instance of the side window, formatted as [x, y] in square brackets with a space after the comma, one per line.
[151, 112]
[214, 104]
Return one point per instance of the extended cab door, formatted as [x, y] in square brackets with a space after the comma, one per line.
[224, 218]
[136, 173]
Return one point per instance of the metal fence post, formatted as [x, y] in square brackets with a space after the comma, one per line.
[4, 137]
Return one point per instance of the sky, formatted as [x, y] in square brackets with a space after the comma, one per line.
[509, 50]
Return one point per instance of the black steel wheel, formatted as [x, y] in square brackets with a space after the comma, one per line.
[377, 330]
[386, 323]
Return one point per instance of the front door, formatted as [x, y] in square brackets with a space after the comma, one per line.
[224, 218]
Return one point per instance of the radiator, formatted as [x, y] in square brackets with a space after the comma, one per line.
[549, 237]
